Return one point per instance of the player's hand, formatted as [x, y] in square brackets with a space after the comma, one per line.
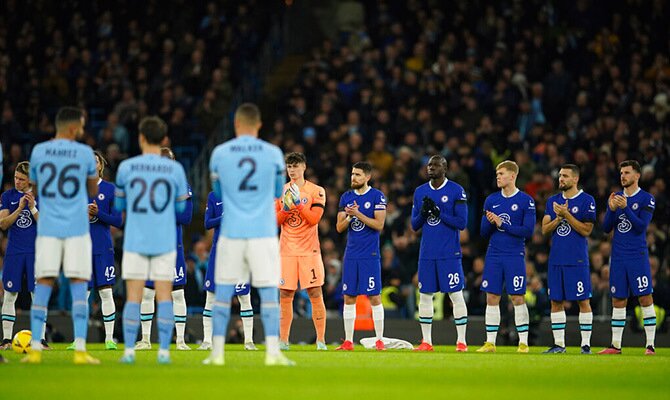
[623, 201]
[287, 200]
[611, 203]
[22, 202]
[295, 193]
[30, 199]
[428, 207]
[93, 209]
[352, 211]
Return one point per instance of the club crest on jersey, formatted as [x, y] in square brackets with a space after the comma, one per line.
[367, 205]
[344, 287]
[420, 285]
[433, 221]
[506, 219]
[515, 207]
[357, 225]
[624, 225]
[563, 229]
[281, 281]
[101, 196]
[485, 284]
[575, 210]
[24, 220]
[445, 198]
[207, 283]
[613, 290]
[634, 206]
[9, 285]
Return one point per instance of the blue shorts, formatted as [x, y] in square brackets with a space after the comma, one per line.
[509, 270]
[210, 286]
[104, 271]
[444, 275]
[16, 266]
[569, 282]
[362, 276]
[630, 277]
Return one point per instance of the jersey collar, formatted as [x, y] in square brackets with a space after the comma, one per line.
[441, 186]
[511, 195]
[632, 195]
[361, 194]
[573, 197]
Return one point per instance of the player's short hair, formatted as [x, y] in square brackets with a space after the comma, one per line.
[23, 168]
[167, 152]
[248, 114]
[295, 158]
[101, 160]
[154, 129]
[439, 157]
[365, 166]
[68, 115]
[509, 165]
[571, 167]
[631, 163]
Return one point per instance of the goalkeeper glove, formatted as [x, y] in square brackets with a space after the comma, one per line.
[426, 207]
[295, 192]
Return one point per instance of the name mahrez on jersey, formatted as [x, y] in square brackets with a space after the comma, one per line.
[245, 148]
[69, 153]
[151, 168]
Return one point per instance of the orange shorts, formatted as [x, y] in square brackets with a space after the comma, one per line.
[309, 270]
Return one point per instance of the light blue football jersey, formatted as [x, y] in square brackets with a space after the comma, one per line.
[250, 174]
[151, 185]
[60, 168]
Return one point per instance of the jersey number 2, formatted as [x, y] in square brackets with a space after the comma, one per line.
[244, 185]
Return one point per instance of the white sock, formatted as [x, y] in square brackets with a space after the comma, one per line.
[247, 316]
[207, 318]
[147, 310]
[8, 314]
[349, 315]
[649, 317]
[272, 345]
[179, 308]
[426, 312]
[618, 323]
[460, 315]
[129, 352]
[80, 344]
[521, 319]
[378, 319]
[163, 352]
[492, 320]
[108, 312]
[558, 327]
[585, 327]
[218, 343]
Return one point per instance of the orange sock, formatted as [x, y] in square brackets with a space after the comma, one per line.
[319, 318]
[285, 317]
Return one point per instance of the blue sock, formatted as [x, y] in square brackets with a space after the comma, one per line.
[270, 310]
[38, 311]
[79, 309]
[165, 324]
[221, 309]
[131, 324]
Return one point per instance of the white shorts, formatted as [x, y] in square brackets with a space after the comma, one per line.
[237, 259]
[138, 267]
[74, 253]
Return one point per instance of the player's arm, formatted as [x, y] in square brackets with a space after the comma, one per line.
[7, 219]
[460, 217]
[417, 219]
[525, 230]
[186, 215]
[376, 223]
[342, 221]
[92, 186]
[486, 227]
[583, 228]
[211, 220]
[549, 225]
[608, 221]
[282, 215]
[113, 217]
[640, 223]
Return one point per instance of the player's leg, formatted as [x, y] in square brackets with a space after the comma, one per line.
[619, 287]
[29, 265]
[639, 274]
[492, 283]
[428, 285]
[577, 287]
[108, 315]
[11, 281]
[288, 284]
[207, 322]
[312, 276]
[649, 318]
[372, 271]
[451, 279]
[161, 271]
[515, 281]
[78, 266]
[555, 282]
[180, 313]
[585, 325]
[147, 310]
[243, 293]
[350, 291]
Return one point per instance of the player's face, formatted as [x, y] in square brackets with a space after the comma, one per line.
[628, 176]
[20, 181]
[358, 178]
[436, 168]
[296, 171]
[566, 179]
[99, 166]
[504, 177]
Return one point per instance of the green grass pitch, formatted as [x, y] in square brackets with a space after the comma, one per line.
[343, 375]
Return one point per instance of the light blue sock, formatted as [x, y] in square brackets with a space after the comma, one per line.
[131, 324]
[38, 312]
[270, 310]
[79, 309]
[221, 309]
[165, 324]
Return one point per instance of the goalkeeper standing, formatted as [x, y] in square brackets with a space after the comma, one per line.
[440, 210]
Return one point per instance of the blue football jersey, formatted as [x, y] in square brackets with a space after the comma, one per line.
[23, 231]
[568, 247]
[630, 225]
[440, 236]
[101, 236]
[250, 174]
[363, 241]
[183, 219]
[518, 216]
[213, 215]
[151, 185]
[60, 169]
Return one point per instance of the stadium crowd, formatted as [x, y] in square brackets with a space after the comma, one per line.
[539, 82]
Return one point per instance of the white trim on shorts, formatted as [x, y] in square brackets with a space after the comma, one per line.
[254, 260]
[74, 253]
[139, 267]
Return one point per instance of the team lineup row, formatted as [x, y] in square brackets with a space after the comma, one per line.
[248, 178]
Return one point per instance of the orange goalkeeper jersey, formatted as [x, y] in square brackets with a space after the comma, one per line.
[300, 227]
